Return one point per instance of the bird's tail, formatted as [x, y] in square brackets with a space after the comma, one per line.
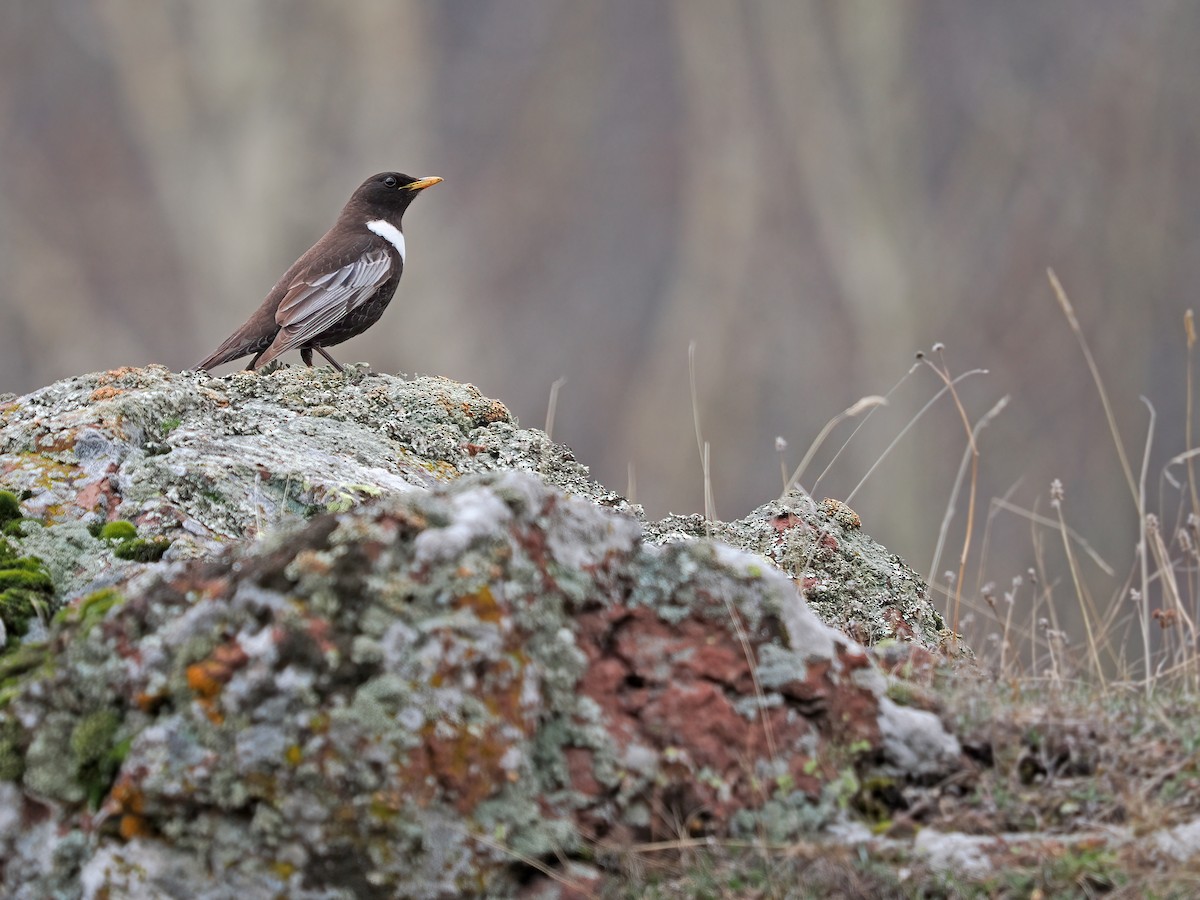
[235, 347]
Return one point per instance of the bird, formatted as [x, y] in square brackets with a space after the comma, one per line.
[340, 286]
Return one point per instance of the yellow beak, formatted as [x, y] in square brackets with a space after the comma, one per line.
[421, 183]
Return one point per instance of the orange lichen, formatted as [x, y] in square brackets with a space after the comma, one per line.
[497, 412]
[127, 797]
[116, 374]
[208, 677]
[203, 681]
[506, 703]
[466, 764]
[841, 513]
[104, 393]
[127, 801]
[147, 702]
[482, 603]
[133, 826]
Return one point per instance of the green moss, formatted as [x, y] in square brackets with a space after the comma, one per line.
[19, 664]
[120, 750]
[12, 760]
[348, 496]
[27, 579]
[93, 607]
[119, 530]
[10, 507]
[143, 549]
[17, 607]
[902, 692]
[24, 594]
[90, 610]
[127, 544]
[95, 754]
[92, 737]
[26, 589]
[169, 425]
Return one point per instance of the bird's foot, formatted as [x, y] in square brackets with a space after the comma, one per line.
[333, 362]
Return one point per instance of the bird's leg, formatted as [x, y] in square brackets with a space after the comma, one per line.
[333, 362]
[306, 355]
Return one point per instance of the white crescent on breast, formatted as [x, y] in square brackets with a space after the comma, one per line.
[389, 233]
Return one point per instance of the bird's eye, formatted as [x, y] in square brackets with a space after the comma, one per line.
[391, 181]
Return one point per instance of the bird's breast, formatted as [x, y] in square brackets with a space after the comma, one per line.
[389, 233]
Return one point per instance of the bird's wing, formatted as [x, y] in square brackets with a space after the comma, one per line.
[311, 305]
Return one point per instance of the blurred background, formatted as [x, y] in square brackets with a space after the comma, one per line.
[810, 191]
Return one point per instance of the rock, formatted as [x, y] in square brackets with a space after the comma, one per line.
[964, 855]
[470, 657]
[848, 579]
[1180, 843]
[201, 462]
[205, 461]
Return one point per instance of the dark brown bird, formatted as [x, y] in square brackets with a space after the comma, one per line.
[340, 287]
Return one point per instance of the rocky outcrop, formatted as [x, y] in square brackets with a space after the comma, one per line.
[204, 462]
[398, 646]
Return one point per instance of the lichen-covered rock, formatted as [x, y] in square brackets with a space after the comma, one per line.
[848, 579]
[471, 658]
[411, 697]
[195, 462]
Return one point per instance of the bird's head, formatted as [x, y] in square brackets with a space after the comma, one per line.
[388, 194]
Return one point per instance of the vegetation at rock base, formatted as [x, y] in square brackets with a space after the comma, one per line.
[10, 513]
[119, 530]
[95, 754]
[126, 543]
[90, 609]
[12, 761]
[10, 507]
[143, 549]
[26, 589]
